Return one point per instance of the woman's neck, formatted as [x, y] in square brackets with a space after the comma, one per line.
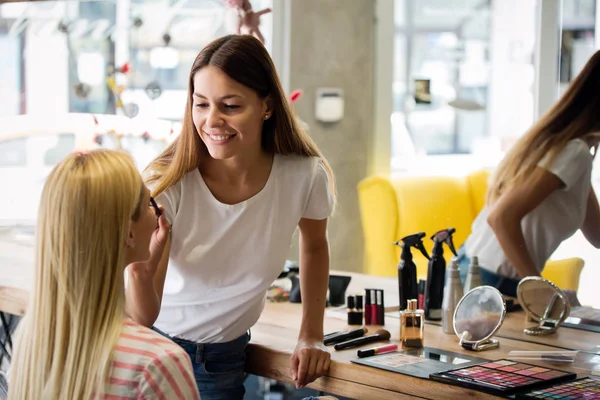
[237, 169]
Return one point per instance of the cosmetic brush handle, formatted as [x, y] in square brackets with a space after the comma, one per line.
[343, 336]
[358, 342]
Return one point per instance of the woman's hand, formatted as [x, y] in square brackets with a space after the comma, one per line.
[309, 361]
[147, 269]
[146, 278]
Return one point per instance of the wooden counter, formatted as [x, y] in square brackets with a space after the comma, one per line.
[274, 337]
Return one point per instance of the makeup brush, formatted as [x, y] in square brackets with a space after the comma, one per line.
[378, 336]
[344, 336]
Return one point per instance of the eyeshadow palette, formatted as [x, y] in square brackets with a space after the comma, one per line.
[586, 388]
[421, 362]
[503, 377]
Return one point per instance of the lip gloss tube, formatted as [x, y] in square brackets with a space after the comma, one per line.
[388, 348]
[373, 307]
[421, 294]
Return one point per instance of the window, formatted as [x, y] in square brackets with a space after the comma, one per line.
[64, 144]
[440, 74]
[32, 151]
[13, 153]
[462, 83]
[10, 73]
[143, 150]
[90, 39]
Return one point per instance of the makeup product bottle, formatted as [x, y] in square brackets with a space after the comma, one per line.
[380, 308]
[358, 305]
[453, 292]
[412, 326]
[367, 306]
[436, 274]
[355, 317]
[421, 295]
[407, 270]
[473, 278]
[373, 307]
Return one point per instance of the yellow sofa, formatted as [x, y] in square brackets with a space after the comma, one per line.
[394, 208]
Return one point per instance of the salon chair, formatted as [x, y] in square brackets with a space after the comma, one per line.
[392, 208]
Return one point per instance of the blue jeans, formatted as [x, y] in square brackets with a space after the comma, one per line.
[506, 286]
[218, 367]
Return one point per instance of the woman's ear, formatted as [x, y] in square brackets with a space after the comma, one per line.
[268, 105]
[130, 241]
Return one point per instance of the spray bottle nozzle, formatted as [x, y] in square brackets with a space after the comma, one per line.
[415, 240]
[445, 236]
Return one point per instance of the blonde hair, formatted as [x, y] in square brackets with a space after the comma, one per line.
[75, 315]
[574, 116]
[244, 59]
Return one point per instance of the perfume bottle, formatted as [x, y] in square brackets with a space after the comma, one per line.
[412, 331]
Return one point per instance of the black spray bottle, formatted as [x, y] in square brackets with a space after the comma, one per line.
[436, 274]
[407, 270]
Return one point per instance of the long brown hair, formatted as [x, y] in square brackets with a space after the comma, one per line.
[574, 115]
[244, 59]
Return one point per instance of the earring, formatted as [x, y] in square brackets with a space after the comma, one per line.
[130, 243]
[266, 117]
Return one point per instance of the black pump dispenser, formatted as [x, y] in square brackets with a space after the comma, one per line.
[436, 274]
[407, 270]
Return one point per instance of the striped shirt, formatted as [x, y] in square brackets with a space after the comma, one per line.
[147, 366]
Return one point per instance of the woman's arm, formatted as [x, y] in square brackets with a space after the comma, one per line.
[591, 224]
[310, 358]
[314, 276]
[146, 279]
[509, 210]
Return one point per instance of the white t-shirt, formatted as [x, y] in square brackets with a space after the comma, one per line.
[557, 218]
[224, 257]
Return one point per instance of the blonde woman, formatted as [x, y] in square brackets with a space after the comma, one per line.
[75, 341]
[237, 182]
[541, 192]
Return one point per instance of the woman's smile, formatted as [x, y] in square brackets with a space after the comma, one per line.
[220, 138]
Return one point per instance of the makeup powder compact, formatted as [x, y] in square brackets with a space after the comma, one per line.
[503, 377]
[585, 388]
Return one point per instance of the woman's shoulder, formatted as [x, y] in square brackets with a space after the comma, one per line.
[293, 163]
[144, 344]
[144, 358]
[578, 145]
[575, 149]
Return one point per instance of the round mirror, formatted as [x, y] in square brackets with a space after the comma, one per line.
[478, 315]
[545, 303]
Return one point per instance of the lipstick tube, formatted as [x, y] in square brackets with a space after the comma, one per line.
[373, 351]
[380, 308]
[367, 306]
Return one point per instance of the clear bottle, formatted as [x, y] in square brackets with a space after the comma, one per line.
[473, 279]
[412, 333]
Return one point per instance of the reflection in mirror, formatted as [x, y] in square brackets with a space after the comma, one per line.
[544, 302]
[478, 315]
